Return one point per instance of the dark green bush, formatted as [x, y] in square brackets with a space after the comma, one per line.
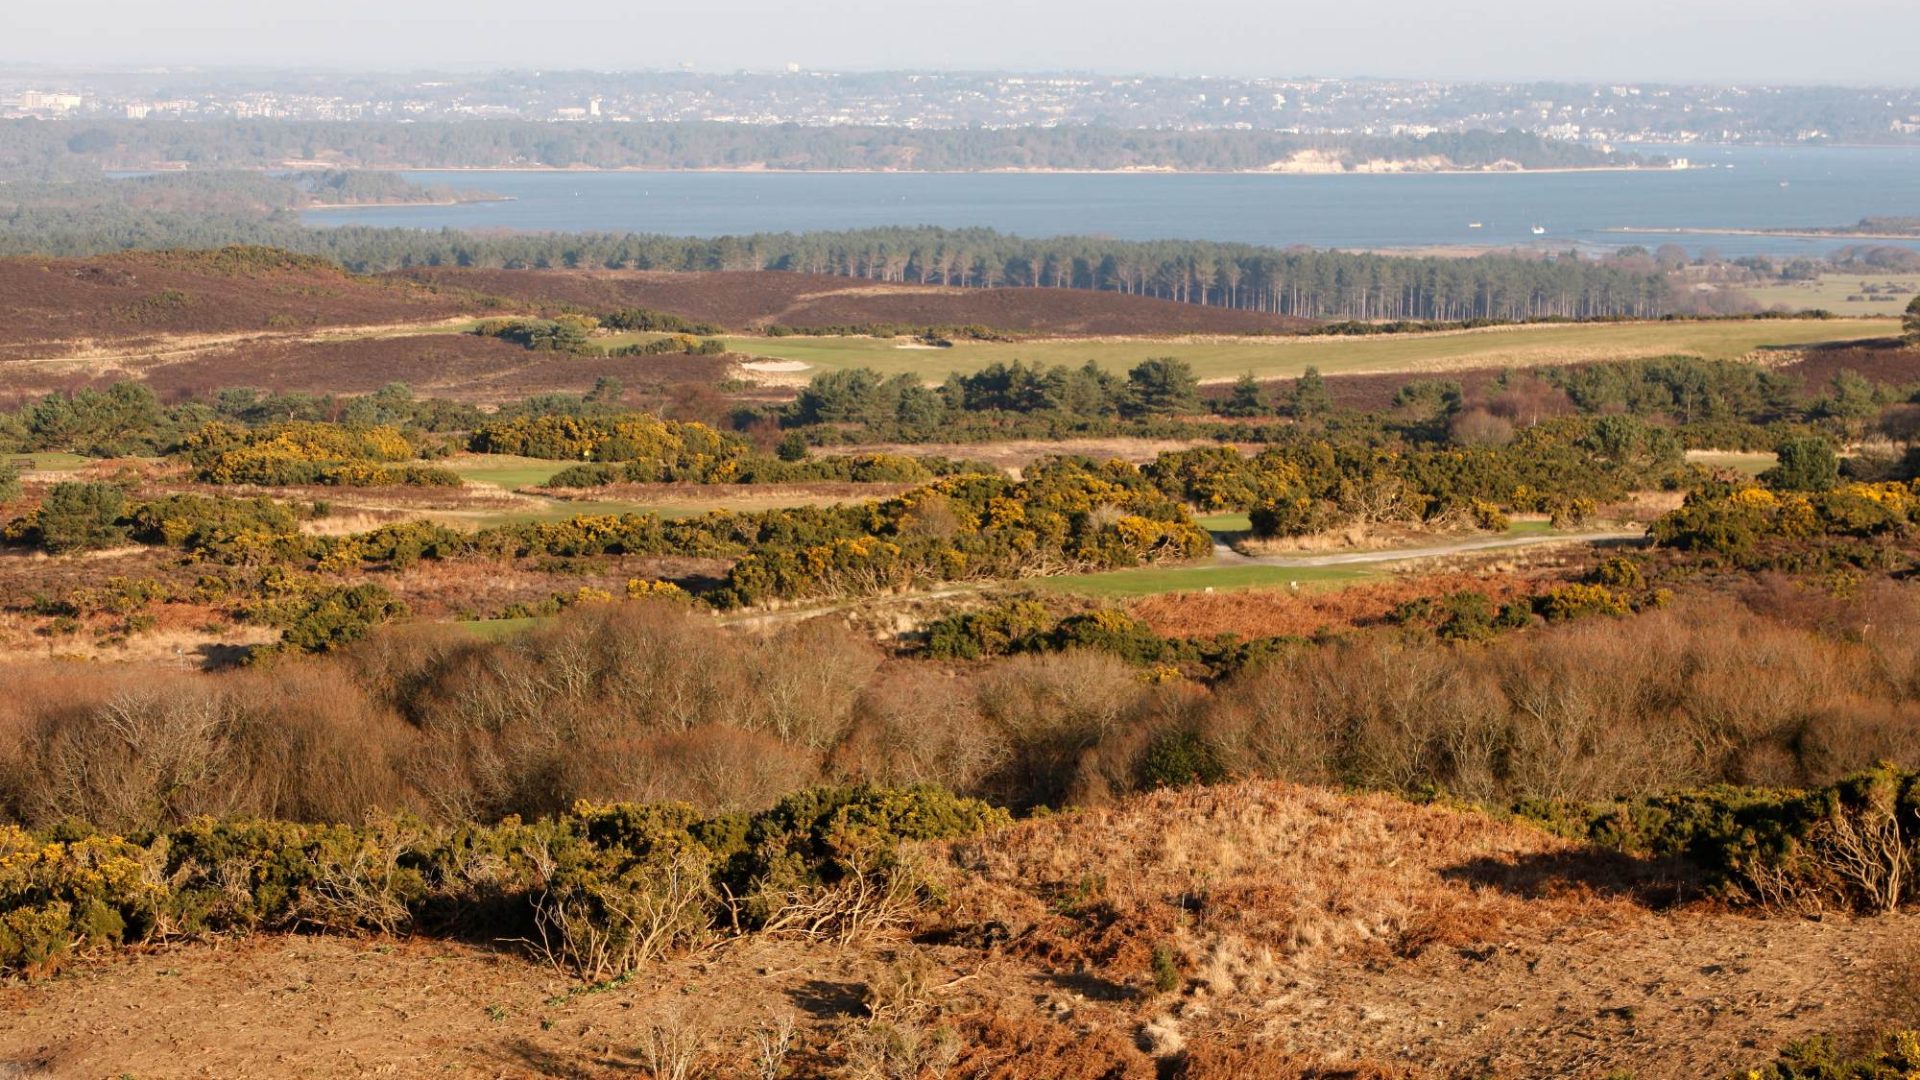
[995, 631]
[1180, 758]
[333, 617]
[1895, 1056]
[81, 516]
[1853, 843]
[597, 891]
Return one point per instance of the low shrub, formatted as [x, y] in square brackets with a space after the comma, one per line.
[1854, 844]
[310, 452]
[1894, 1056]
[599, 892]
[75, 516]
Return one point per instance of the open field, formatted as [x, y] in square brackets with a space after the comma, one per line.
[749, 299]
[1309, 569]
[505, 470]
[436, 360]
[148, 294]
[500, 629]
[1149, 581]
[49, 461]
[1832, 291]
[1752, 464]
[1219, 359]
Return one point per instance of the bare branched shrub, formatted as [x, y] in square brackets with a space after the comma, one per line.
[311, 746]
[917, 726]
[900, 1050]
[1586, 721]
[1868, 851]
[598, 925]
[872, 895]
[1050, 709]
[771, 1044]
[718, 769]
[672, 1046]
[1275, 722]
[804, 681]
[363, 890]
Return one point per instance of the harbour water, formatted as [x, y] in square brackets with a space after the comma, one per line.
[1728, 188]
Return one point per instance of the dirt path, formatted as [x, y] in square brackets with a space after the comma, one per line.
[1226, 556]
[179, 346]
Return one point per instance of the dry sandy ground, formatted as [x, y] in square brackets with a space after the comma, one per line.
[1332, 928]
[1685, 995]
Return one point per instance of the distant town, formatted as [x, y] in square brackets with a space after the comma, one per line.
[1594, 114]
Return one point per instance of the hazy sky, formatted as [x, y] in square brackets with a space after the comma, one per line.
[1668, 40]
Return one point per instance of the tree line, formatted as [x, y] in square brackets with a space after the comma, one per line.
[227, 144]
[199, 210]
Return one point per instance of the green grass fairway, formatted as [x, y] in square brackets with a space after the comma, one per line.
[1830, 292]
[1158, 579]
[1224, 523]
[500, 629]
[1753, 464]
[506, 470]
[1227, 358]
[48, 461]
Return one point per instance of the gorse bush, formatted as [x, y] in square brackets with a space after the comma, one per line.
[1894, 1056]
[599, 891]
[642, 320]
[303, 452]
[760, 469]
[1066, 515]
[1854, 844]
[1013, 627]
[692, 449]
[1754, 527]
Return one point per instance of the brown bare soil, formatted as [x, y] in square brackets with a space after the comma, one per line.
[1369, 393]
[1888, 363]
[138, 295]
[1309, 930]
[461, 367]
[1283, 612]
[1015, 454]
[748, 299]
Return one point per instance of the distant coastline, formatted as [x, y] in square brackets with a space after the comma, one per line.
[1145, 170]
[1797, 234]
[398, 204]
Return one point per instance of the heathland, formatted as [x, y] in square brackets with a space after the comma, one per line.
[565, 672]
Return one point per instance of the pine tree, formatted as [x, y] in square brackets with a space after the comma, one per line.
[1310, 397]
[1245, 399]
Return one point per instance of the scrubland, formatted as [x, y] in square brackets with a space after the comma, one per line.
[566, 727]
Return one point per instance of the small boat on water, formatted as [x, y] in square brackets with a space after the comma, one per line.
[1475, 225]
[1539, 230]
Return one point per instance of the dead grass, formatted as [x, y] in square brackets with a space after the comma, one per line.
[1015, 454]
[748, 299]
[1316, 935]
[1253, 880]
[1284, 612]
